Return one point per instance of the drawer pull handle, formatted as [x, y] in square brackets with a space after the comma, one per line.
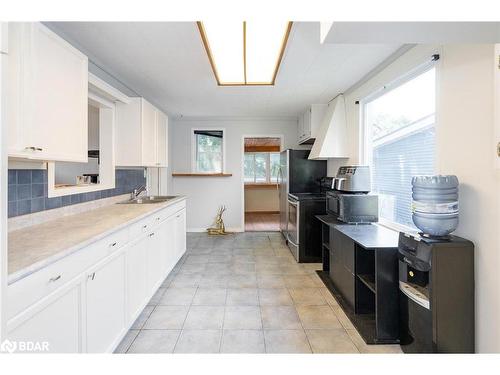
[54, 279]
[32, 148]
[144, 226]
[151, 234]
[91, 276]
[157, 218]
[113, 244]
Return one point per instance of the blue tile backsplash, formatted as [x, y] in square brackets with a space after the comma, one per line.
[27, 192]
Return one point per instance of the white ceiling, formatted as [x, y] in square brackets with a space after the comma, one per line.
[166, 63]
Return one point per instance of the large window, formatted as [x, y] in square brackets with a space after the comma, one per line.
[399, 142]
[261, 167]
[208, 151]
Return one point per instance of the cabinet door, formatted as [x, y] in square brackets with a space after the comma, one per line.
[162, 139]
[137, 292]
[180, 235]
[148, 118]
[307, 124]
[105, 301]
[156, 258]
[53, 97]
[56, 323]
[300, 127]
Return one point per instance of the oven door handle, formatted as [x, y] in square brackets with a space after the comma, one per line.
[289, 240]
[293, 203]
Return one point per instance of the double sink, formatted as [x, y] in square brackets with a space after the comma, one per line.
[150, 199]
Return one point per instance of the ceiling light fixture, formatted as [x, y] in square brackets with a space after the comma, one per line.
[245, 53]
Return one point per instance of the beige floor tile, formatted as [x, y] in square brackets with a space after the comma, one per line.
[342, 317]
[242, 317]
[204, 317]
[298, 281]
[270, 281]
[194, 268]
[193, 259]
[280, 317]
[267, 269]
[218, 258]
[330, 341]
[240, 258]
[155, 341]
[243, 341]
[157, 296]
[242, 281]
[307, 296]
[318, 317]
[373, 349]
[220, 268]
[266, 259]
[126, 341]
[286, 341]
[328, 297]
[186, 280]
[216, 280]
[143, 317]
[292, 269]
[243, 268]
[242, 297]
[274, 297]
[243, 252]
[198, 341]
[167, 317]
[210, 297]
[178, 296]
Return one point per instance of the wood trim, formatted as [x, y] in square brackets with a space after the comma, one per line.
[262, 212]
[206, 44]
[266, 186]
[262, 148]
[202, 174]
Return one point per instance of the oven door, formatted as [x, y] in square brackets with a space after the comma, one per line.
[332, 204]
[293, 227]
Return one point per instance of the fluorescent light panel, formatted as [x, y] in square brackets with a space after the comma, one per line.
[245, 53]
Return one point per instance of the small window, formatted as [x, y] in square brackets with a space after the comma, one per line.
[399, 143]
[208, 151]
[261, 167]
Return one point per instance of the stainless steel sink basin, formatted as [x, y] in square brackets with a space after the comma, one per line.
[149, 199]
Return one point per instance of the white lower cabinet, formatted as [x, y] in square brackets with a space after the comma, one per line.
[53, 324]
[92, 311]
[105, 302]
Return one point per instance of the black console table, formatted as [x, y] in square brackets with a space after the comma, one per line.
[360, 268]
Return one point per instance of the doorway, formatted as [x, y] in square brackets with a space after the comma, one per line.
[260, 183]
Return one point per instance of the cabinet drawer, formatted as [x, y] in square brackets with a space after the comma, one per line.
[32, 288]
[141, 227]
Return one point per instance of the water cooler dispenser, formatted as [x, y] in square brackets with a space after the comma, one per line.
[436, 280]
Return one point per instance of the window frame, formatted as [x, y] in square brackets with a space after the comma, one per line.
[194, 150]
[268, 168]
[364, 155]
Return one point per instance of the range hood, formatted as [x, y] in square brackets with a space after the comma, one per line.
[331, 141]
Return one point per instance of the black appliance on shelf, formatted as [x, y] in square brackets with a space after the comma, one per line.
[349, 201]
[436, 282]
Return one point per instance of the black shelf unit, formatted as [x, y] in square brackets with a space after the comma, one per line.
[368, 281]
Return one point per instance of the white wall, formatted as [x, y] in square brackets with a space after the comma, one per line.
[205, 194]
[262, 199]
[464, 147]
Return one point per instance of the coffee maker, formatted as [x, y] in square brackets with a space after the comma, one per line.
[436, 282]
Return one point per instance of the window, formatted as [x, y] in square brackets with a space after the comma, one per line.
[261, 167]
[208, 151]
[399, 142]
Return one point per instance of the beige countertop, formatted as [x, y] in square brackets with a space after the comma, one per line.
[33, 248]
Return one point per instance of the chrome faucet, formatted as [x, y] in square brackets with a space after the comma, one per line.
[136, 192]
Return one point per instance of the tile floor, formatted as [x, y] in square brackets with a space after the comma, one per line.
[244, 293]
[262, 222]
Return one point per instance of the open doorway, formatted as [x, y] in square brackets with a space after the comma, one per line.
[260, 183]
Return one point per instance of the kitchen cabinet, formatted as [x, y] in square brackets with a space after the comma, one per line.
[87, 301]
[55, 322]
[141, 136]
[105, 302]
[311, 122]
[48, 83]
[342, 265]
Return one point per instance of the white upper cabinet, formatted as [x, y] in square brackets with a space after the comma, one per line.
[311, 122]
[141, 135]
[47, 108]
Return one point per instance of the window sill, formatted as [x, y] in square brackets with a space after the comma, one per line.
[202, 174]
[261, 186]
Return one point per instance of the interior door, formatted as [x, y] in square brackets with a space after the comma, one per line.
[105, 301]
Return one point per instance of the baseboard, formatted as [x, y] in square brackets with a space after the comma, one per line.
[201, 230]
[262, 212]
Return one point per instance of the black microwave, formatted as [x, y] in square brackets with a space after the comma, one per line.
[352, 208]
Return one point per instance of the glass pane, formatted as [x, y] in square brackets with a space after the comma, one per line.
[207, 143]
[260, 167]
[249, 168]
[275, 166]
[209, 162]
[400, 143]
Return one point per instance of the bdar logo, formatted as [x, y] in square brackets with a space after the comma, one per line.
[8, 346]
